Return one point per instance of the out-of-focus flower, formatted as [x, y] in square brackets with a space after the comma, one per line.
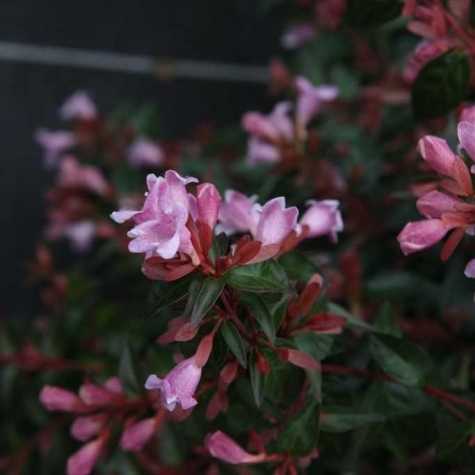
[74, 175]
[297, 35]
[226, 449]
[238, 213]
[54, 144]
[178, 386]
[145, 153]
[58, 399]
[323, 218]
[137, 434]
[78, 107]
[81, 234]
[329, 13]
[86, 427]
[83, 461]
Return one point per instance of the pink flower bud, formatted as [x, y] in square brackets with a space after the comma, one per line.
[420, 235]
[208, 200]
[323, 217]
[94, 395]
[226, 449]
[85, 427]
[137, 434]
[82, 462]
[435, 203]
[59, 399]
[204, 349]
[466, 135]
[78, 107]
[437, 154]
[178, 386]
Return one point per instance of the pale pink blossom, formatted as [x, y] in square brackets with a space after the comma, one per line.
[470, 269]
[59, 399]
[83, 461]
[74, 175]
[323, 218]
[238, 213]
[81, 234]
[54, 144]
[420, 235]
[161, 223]
[137, 434]
[259, 151]
[310, 99]
[226, 449]
[297, 35]
[275, 222]
[178, 386]
[468, 114]
[435, 203]
[466, 136]
[145, 153]
[78, 107]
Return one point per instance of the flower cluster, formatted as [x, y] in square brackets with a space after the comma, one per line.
[278, 136]
[446, 204]
[174, 228]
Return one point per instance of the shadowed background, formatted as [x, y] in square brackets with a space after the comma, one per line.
[207, 30]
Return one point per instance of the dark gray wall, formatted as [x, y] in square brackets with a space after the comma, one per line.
[224, 30]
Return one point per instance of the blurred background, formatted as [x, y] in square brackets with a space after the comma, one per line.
[209, 30]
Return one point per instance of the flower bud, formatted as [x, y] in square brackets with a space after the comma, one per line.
[59, 399]
[137, 434]
[226, 449]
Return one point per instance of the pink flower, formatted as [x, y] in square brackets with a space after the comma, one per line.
[83, 461]
[436, 152]
[323, 217]
[137, 434]
[468, 114]
[238, 213]
[420, 235]
[297, 35]
[81, 234]
[259, 151]
[161, 224]
[470, 269]
[59, 399]
[259, 125]
[145, 153]
[54, 143]
[178, 386]
[310, 99]
[74, 175]
[95, 395]
[86, 427]
[275, 222]
[226, 449]
[78, 107]
[466, 135]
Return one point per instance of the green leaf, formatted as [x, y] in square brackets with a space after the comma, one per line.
[404, 361]
[318, 346]
[205, 297]
[166, 294]
[340, 419]
[298, 266]
[127, 369]
[351, 319]
[301, 433]
[261, 313]
[235, 342]
[257, 381]
[386, 323]
[372, 13]
[441, 85]
[266, 276]
[453, 435]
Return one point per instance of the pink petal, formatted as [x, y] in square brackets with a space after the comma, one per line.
[226, 449]
[420, 235]
[466, 135]
[436, 152]
[275, 222]
[470, 269]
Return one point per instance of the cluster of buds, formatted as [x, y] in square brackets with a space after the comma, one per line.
[97, 408]
[279, 136]
[175, 228]
[442, 28]
[447, 204]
